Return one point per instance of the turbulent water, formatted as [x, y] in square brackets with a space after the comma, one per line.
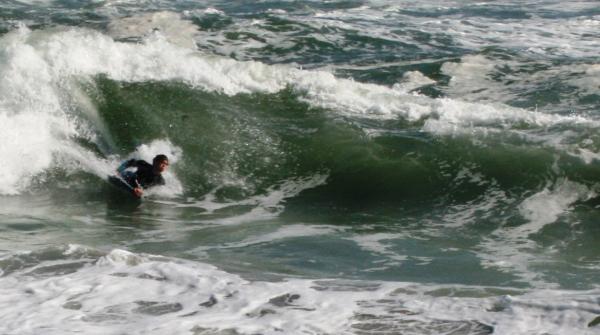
[338, 167]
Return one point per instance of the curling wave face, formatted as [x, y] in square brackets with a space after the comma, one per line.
[82, 67]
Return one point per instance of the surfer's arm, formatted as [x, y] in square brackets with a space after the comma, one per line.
[138, 190]
[126, 164]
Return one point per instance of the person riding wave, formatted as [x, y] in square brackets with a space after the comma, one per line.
[146, 174]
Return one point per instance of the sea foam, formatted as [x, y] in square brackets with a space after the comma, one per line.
[85, 290]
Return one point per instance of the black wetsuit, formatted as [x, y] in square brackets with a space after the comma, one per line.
[144, 176]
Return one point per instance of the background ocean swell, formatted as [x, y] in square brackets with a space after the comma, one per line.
[456, 146]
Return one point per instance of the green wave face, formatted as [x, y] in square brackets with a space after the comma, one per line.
[245, 144]
[379, 176]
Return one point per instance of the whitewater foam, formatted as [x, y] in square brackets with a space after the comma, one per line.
[545, 206]
[270, 204]
[87, 291]
[32, 124]
[156, 59]
[170, 25]
[43, 111]
[589, 81]
[514, 249]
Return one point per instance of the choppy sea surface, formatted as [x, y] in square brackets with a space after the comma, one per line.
[337, 167]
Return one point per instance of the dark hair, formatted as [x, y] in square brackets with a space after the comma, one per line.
[159, 158]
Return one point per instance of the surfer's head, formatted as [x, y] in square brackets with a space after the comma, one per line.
[160, 163]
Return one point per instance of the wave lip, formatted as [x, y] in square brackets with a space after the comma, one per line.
[85, 53]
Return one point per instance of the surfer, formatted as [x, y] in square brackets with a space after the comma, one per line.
[146, 174]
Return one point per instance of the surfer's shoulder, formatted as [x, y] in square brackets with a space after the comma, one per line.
[142, 163]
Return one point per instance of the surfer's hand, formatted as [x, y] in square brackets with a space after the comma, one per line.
[138, 192]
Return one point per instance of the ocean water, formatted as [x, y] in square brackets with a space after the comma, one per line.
[337, 167]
